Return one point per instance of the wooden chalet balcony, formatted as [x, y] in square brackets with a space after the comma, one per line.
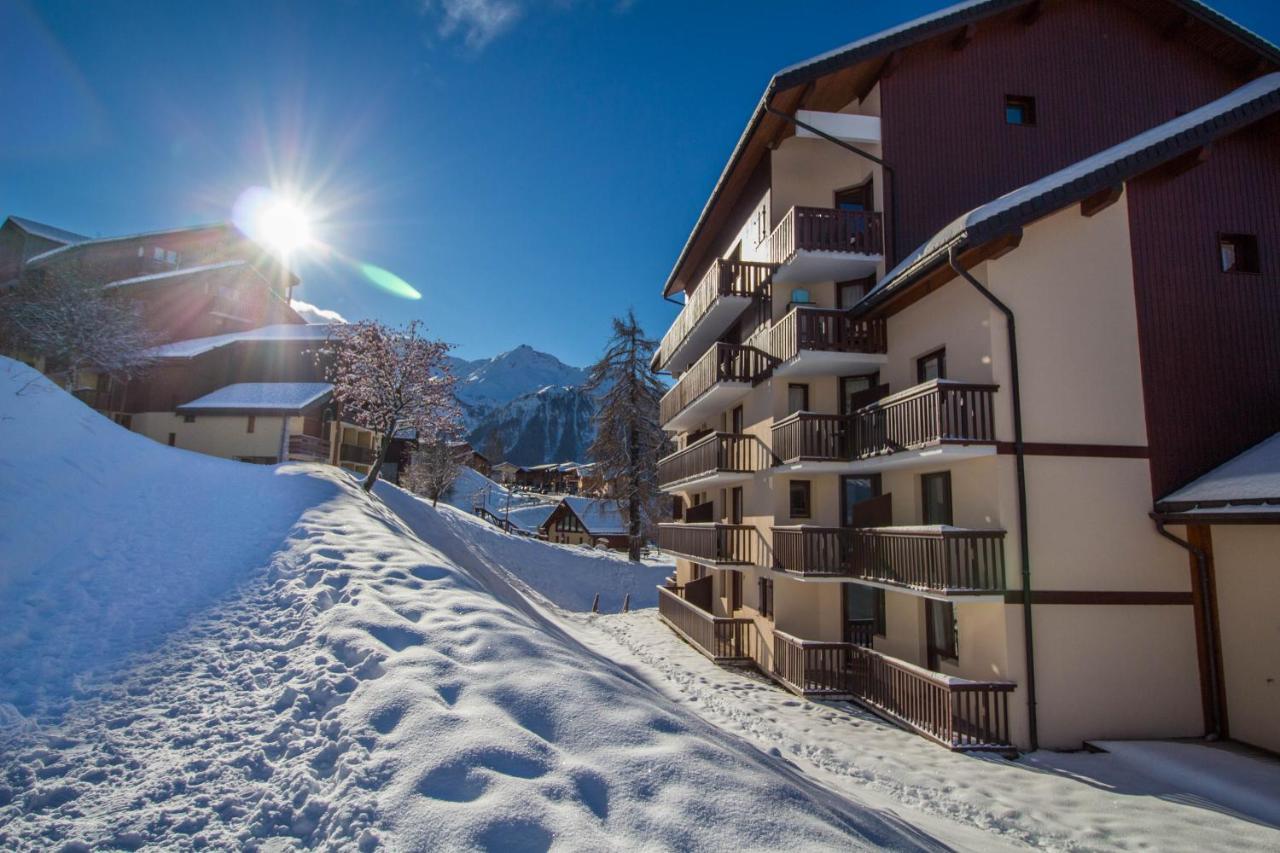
[936, 559]
[356, 454]
[721, 639]
[714, 460]
[811, 341]
[713, 544]
[956, 712]
[308, 448]
[724, 292]
[813, 244]
[810, 437]
[722, 375]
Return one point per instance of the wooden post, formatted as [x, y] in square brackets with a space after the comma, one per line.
[595, 604]
[626, 603]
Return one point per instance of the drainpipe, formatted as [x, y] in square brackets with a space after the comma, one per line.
[888, 170]
[1024, 547]
[1210, 628]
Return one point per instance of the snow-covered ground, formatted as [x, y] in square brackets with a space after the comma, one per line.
[349, 687]
[1066, 801]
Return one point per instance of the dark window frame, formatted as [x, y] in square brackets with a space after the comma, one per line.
[940, 356]
[1026, 105]
[252, 424]
[803, 386]
[878, 614]
[945, 478]
[950, 650]
[735, 590]
[765, 592]
[1247, 262]
[804, 487]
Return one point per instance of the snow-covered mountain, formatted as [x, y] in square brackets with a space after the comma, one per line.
[532, 401]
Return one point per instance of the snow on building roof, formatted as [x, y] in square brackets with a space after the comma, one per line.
[1249, 480]
[598, 516]
[178, 273]
[95, 241]
[48, 232]
[278, 332]
[289, 397]
[1249, 103]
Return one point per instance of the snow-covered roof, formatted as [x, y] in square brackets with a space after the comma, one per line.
[48, 232]
[600, 517]
[85, 242]
[1249, 480]
[261, 396]
[278, 332]
[178, 273]
[1119, 163]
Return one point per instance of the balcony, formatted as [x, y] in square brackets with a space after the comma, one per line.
[958, 713]
[813, 244]
[936, 421]
[355, 454]
[307, 448]
[724, 292]
[936, 560]
[725, 373]
[816, 341]
[716, 460]
[712, 544]
[721, 639]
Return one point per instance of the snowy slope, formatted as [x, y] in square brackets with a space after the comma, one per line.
[326, 678]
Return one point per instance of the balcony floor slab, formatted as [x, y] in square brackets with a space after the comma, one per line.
[706, 331]
[826, 362]
[808, 266]
[713, 401]
[903, 459]
[706, 481]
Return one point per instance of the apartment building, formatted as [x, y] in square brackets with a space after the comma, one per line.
[969, 298]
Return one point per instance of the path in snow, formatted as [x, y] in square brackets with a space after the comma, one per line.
[1065, 801]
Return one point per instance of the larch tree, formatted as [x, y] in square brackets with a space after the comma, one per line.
[432, 469]
[65, 315]
[629, 436]
[387, 379]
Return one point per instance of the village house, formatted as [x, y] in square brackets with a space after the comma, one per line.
[586, 521]
[472, 458]
[970, 305]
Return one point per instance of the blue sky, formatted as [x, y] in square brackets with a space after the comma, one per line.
[532, 168]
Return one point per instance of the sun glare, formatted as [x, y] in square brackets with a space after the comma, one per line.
[273, 220]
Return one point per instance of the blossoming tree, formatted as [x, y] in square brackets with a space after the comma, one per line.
[387, 379]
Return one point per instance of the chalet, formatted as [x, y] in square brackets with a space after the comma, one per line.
[972, 300]
[584, 521]
[472, 458]
[506, 473]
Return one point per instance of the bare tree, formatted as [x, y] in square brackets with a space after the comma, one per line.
[387, 379]
[628, 433]
[494, 447]
[432, 469]
[65, 315]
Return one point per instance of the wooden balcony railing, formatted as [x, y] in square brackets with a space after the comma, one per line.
[948, 560]
[720, 452]
[945, 559]
[936, 412]
[821, 229]
[721, 639]
[723, 544]
[810, 437]
[721, 363]
[862, 632]
[958, 713]
[822, 329]
[811, 667]
[355, 453]
[724, 278]
[308, 448]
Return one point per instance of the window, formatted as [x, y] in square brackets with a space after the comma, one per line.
[735, 591]
[932, 366]
[188, 419]
[800, 492]
[766, 598]
[940, 620]
[799, 296]
[935, 494]
[1239, 252]
[735, 505]
[157, 253]
[797, 398]
[849, 292]
[878, 612]
[173, 439]
[1020, 109]
[251, 425]
[735, 420]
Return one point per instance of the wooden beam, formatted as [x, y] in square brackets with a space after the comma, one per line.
[962, 39]
[1184, 162]
[891, 64]
[1101, 200]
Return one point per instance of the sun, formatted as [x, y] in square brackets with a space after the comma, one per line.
[274, 220]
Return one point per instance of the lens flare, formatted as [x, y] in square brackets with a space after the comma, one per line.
[389, 282]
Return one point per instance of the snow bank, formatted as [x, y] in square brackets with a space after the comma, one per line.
[343, 685]
[109, 541]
